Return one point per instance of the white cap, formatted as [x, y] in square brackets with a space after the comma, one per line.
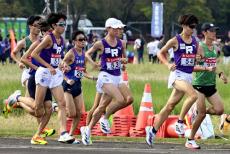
[121, 24]
[114, 23]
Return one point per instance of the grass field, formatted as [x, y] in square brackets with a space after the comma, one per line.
[156, 74]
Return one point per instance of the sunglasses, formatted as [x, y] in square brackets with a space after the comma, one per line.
[192, 26]
[81, 39]
[61, 24]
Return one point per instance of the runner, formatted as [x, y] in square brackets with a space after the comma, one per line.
[24, 44]
[49, 53]
[185, 49]
[98, 95]
[75, 59]
[24, 101]
[109, 78]
[205, 82]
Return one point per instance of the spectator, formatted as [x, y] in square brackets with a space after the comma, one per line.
[139, 46]
[2, 51]
[226, 51]
[7, 50]
[152, 49]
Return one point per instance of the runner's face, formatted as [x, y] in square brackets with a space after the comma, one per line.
[113, 32]
[60, 26]
[80, 41]
[189, 28]
[211, 34]
[35, 28]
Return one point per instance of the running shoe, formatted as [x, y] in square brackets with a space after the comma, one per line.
[150, 136]
[47, 132]
[179, 128]
[66, 138]
[12, 99]
[191, 144]
[6, 108]
[104, 125]
[38, 140]
[85, 135]
[76, 142]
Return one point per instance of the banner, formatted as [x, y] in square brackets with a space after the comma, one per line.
[157, 19]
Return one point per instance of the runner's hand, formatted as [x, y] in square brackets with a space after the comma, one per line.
[223, 77]
[172, 67]
[21, 65]
[211, 69]
[124, 60]
[97, 66]
[70, 81]
[52, 70]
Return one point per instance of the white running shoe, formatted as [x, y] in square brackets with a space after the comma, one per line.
[150, 136]
[179, 128]
[13, 97]
[76, 142]
[191, 144]
[85, 135]
[104, 125]
[66, 138]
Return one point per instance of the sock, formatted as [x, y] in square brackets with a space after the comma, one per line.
[180, 121]
[154, 130]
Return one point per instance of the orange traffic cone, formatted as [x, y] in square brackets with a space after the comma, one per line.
[125, 78]
[146, 108]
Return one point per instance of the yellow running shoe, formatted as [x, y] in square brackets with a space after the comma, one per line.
[38, 140]
[6, 108]
[47, 132]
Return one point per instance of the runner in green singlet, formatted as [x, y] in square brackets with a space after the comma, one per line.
[205, 82]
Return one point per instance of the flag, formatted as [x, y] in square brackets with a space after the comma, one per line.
[157, 19]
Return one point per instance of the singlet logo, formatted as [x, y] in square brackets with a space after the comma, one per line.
[114, 52]
[58, 49]
[188, 49]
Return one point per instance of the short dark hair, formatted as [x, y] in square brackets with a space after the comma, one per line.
[44, 26]
[188, 19]
[76, 33]
[32, 19]
[53, 18]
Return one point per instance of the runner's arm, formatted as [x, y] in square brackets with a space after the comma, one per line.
[172, 43]
[17, 49]
[96, 47]
[25, 57]
[46, 43]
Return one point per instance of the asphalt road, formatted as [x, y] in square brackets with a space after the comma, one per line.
[23, 146]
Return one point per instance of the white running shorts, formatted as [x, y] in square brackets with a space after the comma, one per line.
[25, 76]
[178, 75]
[45, 79]
[105, 77]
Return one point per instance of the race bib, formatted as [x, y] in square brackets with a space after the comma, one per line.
[188, 59]
[55, 59]
[210, 62]
[79, 72]
[113, 63]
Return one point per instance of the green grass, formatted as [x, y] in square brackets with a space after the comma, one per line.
[139, 75]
